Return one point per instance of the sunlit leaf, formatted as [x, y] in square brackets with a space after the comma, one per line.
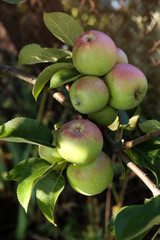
[22, 169]
[62, 26]
[34, 169]
[46, 75]
[64, 76]
[149, 126]
[33, 53]
[48, 190]
[147, 155]
[133, 222]
[26, 130]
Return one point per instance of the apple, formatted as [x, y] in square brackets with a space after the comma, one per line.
[127, 86]
[94, 53]
[105, 116]
[92, 178]
[89, 94]
[79, 141]
[121, 56]
[51, 155]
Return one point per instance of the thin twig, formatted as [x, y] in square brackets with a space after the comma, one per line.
[9, 71]
[125, 158]
[155, 235]
[107, 212]
[144, 138]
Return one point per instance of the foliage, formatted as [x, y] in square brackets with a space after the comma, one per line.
[124, 224]
[129, 222]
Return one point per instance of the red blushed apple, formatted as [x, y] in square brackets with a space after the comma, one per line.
[92, 178]
[121, 56]
[127, 86]
[79, 141]
[94, 53]
[89, 94]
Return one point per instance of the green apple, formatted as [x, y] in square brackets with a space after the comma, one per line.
[89, 94]
[79, 141]
[127, 86]
[94, 53]
[51, 155]
[121, 56]
[105, 116]
[92, 178]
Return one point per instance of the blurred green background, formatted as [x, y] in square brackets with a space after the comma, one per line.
[135, 28]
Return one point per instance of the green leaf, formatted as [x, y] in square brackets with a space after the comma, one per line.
[147, 155]
[18, 172]
[115, 125]
[123, 117]
[133, 222]
[13, 1]
[149, 126]
[57, 127]
[111, 225]
[33, 53]
[133, 119]
[48, 190]
[46, 75]
[64, 76]
[34, 169]
[26, 130]
[112, 230]
[63, 27]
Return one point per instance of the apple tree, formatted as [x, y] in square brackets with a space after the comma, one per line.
[104, 93]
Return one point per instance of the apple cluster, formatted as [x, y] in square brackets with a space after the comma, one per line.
[108, 84]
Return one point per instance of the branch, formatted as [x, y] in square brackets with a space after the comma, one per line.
[139, 173]
[117, 149]
[144, 138]
[118, 146]
[9, 71]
